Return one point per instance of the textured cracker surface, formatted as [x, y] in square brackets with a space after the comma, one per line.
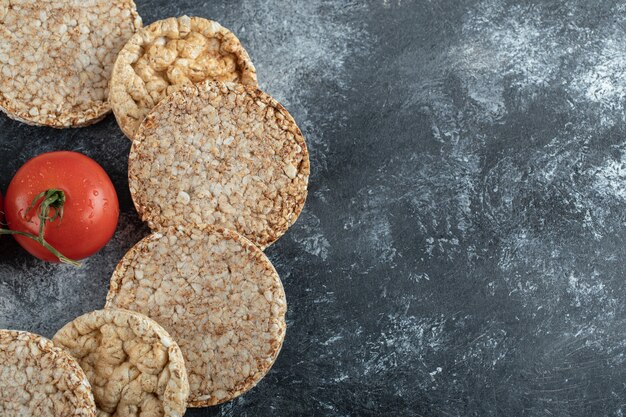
[56, 58]
[169, 54]
[39, 379]
[461, 250]
[220, 154]
[133, 365]
[218, 295]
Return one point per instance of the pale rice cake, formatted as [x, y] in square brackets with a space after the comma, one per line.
[168, 54]
[56, 58]
[221, 154]
[134, 367]
[218, 295]
[40, 379]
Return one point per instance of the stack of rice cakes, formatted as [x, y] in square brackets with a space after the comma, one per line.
[218, 169]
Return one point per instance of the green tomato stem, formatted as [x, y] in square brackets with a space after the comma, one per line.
[43, 243]
[52, 199]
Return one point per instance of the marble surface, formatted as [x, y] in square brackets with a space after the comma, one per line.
[461, 252]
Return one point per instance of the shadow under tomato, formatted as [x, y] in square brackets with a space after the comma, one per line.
[11, 252]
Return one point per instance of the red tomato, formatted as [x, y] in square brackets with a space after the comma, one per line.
[90, 211]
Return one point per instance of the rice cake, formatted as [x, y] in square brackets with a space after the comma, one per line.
[168, 54]
[56, 58]
[133, 365]
[221, 154]
[40, 379]
[218, 295]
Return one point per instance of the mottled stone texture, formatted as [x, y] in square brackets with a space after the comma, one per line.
[462, 249]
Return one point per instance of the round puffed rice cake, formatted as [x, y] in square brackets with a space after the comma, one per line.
[56, 58]
[39, 379]
[168, 54]
[218, 295]
[221, 154]
[132, 363]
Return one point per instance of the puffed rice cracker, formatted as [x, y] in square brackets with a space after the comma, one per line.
[40, 379]
[218, 295]
[221, 154]
[56, 58]
[134, 367]
[168, 54]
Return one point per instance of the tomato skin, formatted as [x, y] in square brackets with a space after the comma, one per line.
[91, 209]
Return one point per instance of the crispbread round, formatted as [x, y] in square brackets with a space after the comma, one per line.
[56, 58]
[39, 379]
[221, 154]
[170, 53]
[133, 365]
[218, 295]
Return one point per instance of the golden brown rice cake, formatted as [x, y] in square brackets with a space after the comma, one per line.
[134, 367]
[218, 295]
[39, 379]
[56, 58]
[220, 154]
[168, 54]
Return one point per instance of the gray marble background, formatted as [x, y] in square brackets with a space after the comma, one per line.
[462, 248]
